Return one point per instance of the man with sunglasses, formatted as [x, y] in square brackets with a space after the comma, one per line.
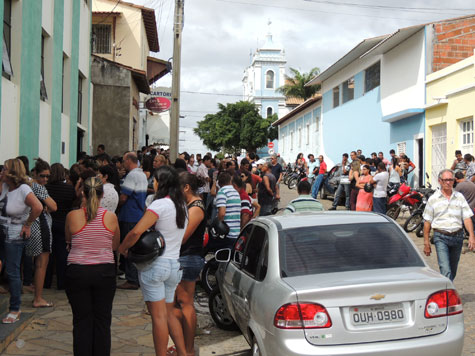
[446, 212]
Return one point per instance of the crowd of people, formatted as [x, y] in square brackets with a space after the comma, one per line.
[362, 180]
[78, 225]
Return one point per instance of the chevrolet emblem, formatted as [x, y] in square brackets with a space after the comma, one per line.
[377, 296]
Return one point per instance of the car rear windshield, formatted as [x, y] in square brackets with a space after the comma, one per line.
[339, 248]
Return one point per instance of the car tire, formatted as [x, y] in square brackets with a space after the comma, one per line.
[255, 349]
[420, 231]
[208, 276]
[292, 183]
[219, 312]
[393, 211]
[413, 222]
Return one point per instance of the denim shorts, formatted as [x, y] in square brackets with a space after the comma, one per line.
[192, 266]
[159, 281]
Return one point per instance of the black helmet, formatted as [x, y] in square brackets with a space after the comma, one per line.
[218, 229]
[368, 187]
[148, 247]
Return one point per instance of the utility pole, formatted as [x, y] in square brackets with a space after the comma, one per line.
[175, 112]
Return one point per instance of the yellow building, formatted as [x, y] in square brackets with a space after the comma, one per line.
[450, 109]
[123, 35]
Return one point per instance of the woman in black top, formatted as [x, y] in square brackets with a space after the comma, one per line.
[191, 260]
[64, 195]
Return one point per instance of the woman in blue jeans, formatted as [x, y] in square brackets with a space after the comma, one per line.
[20, 209]
[160, 277]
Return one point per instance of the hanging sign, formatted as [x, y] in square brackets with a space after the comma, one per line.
[158, 104]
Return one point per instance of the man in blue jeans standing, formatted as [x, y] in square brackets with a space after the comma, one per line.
[445, 212]
[318, 182]
[133, 193]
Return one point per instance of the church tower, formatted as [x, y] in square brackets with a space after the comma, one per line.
[263, 76]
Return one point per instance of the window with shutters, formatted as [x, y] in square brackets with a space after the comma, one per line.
[466, 139]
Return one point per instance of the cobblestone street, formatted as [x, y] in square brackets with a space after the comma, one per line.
[49, 332]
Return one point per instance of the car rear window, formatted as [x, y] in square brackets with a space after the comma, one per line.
[339, 248]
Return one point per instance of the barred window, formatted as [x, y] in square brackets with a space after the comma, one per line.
[372, 77]
[101, 38]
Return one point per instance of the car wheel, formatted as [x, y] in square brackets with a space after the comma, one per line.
[208, 275]
[413, 222]
[219, 312]
[255, 350]
[393, 211]
[292, 183]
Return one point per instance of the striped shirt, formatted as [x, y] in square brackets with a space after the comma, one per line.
[246, 205]
[92, 245]
[447, 214]
[303, 203]
[228, 197]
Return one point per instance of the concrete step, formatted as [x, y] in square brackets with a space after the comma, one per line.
[9, 332]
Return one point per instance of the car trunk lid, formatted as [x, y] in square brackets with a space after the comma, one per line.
[371, 305]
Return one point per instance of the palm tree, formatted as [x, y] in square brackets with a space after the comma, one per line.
[295, 84]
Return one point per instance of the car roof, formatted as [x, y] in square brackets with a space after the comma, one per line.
[306, 219]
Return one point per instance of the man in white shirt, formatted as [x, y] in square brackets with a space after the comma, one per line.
[380, 179]
[313, 166]
[446, 212]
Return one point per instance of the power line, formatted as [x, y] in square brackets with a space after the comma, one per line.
[320, 11]
[110, 13]
[385, 7]
[205, 93]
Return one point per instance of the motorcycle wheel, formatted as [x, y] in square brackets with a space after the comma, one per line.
[219, 312]
[393, 211]
[208, 276]
[420, 230]
[413, 222]
[292, 183]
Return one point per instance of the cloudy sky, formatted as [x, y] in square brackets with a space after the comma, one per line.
[219, 35]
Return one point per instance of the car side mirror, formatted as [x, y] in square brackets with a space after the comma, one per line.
[223, 255]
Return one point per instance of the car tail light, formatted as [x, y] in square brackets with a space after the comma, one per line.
[302, 316]
[443, 303]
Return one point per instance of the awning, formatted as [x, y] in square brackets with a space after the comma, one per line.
[156, 69]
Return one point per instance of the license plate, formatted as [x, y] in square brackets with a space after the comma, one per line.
[378, 314]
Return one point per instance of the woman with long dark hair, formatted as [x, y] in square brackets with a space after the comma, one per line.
[159, 278]
[191, 259]
[64, 195]
[92, 233]
[39, 245]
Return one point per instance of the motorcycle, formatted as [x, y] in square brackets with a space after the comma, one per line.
[405, 197]
[415, 222]
[287, 173]
[297, 177]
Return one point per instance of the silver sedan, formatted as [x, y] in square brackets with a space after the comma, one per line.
[335, 283]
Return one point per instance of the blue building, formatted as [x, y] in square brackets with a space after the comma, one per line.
[264, 75]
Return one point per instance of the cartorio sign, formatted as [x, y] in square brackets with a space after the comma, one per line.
[158, 104]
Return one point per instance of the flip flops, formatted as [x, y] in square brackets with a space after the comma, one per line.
[171, 351]
[47, 305]
[11, 318]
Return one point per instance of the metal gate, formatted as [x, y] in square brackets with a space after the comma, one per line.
[439, 151]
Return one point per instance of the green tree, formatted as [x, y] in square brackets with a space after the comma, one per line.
[236, 126]
[295, 84]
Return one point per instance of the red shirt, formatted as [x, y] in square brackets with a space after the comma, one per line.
[323, 168]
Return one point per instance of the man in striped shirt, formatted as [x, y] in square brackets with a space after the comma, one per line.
[445, 212]
[304, 202]
[228, 203]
